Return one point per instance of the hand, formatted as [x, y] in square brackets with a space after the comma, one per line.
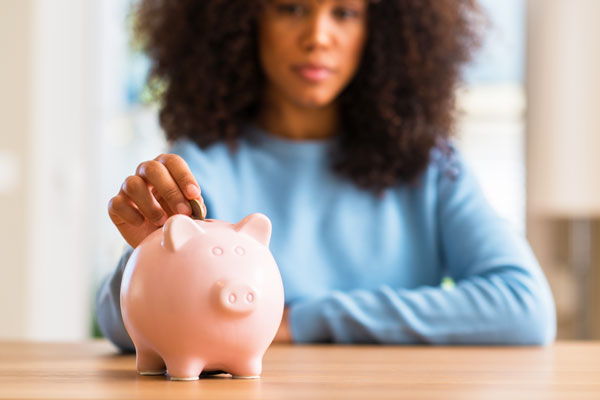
[284, 334]
[159, 189]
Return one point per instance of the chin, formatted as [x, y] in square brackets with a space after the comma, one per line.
[314, 100]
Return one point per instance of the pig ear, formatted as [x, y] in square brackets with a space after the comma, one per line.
[178, 230]
[256, 225]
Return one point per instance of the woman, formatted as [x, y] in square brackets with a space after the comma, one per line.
[334, 118]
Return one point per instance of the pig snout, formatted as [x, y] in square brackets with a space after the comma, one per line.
[238, 298]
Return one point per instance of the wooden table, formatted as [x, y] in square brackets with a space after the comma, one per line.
[566, 370]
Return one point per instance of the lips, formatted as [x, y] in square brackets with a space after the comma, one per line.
[312, 72]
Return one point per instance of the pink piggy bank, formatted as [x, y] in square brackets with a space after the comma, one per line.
[203, 296]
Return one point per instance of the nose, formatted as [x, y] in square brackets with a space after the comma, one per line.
[318, 32]
[238, 298]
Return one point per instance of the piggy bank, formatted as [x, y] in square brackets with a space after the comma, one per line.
[203, 295]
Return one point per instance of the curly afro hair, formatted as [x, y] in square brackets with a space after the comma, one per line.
[399, 105]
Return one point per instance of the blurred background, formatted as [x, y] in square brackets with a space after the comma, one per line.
[76, 120]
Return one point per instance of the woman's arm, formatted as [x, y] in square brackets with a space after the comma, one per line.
[501, 295]
[170, 172]
[108, 307]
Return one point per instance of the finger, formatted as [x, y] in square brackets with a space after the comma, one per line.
[138, 191]
[165, 206]
[121, 209]
[182, 174]
[156, 174]
[162, 203]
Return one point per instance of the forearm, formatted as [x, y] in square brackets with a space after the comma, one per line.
[108, 308]
[507, 306]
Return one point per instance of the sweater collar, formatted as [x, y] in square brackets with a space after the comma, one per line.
[289, 147]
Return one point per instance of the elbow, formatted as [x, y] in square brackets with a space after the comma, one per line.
[539, 330]
[111, 325]
[119, 339]
[535, 322]
[545, 327]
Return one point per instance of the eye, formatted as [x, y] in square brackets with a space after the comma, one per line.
[291, 9]
[240, 251]
[217, 251]
[345, 13]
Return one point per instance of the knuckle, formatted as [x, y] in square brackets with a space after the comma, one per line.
[160, 157]
[115, 204]
[111, 204]
[155, 214]
[172, 158]
[172, 194]
[140, 168]
[133, 184]
[173, 162]
[149, 168]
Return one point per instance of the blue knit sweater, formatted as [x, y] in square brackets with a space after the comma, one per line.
[361, 268]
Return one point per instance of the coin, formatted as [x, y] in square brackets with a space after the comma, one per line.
[198, 209]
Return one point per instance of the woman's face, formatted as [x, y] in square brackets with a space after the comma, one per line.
[311, 49]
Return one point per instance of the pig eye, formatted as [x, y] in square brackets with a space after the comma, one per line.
[240, 251]
[217, 251]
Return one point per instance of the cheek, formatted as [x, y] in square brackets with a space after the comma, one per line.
[275, 43]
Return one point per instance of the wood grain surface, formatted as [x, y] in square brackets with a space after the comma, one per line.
[94, 370]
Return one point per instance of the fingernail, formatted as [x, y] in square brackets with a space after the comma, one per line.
[192, 190]
[183, 208]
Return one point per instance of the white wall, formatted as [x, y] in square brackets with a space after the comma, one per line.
[46, 98]
[67, 141]
[491, 135]
[564, 116]
[61, 154]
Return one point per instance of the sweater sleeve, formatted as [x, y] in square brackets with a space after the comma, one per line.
[501, 295]
[108, 307]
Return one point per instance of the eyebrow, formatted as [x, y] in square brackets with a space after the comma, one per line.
[352, 1]
[348, 1]
[345, 1]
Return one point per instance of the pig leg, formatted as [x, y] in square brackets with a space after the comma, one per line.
[184, 369]
[246, 369]
[149, 362]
